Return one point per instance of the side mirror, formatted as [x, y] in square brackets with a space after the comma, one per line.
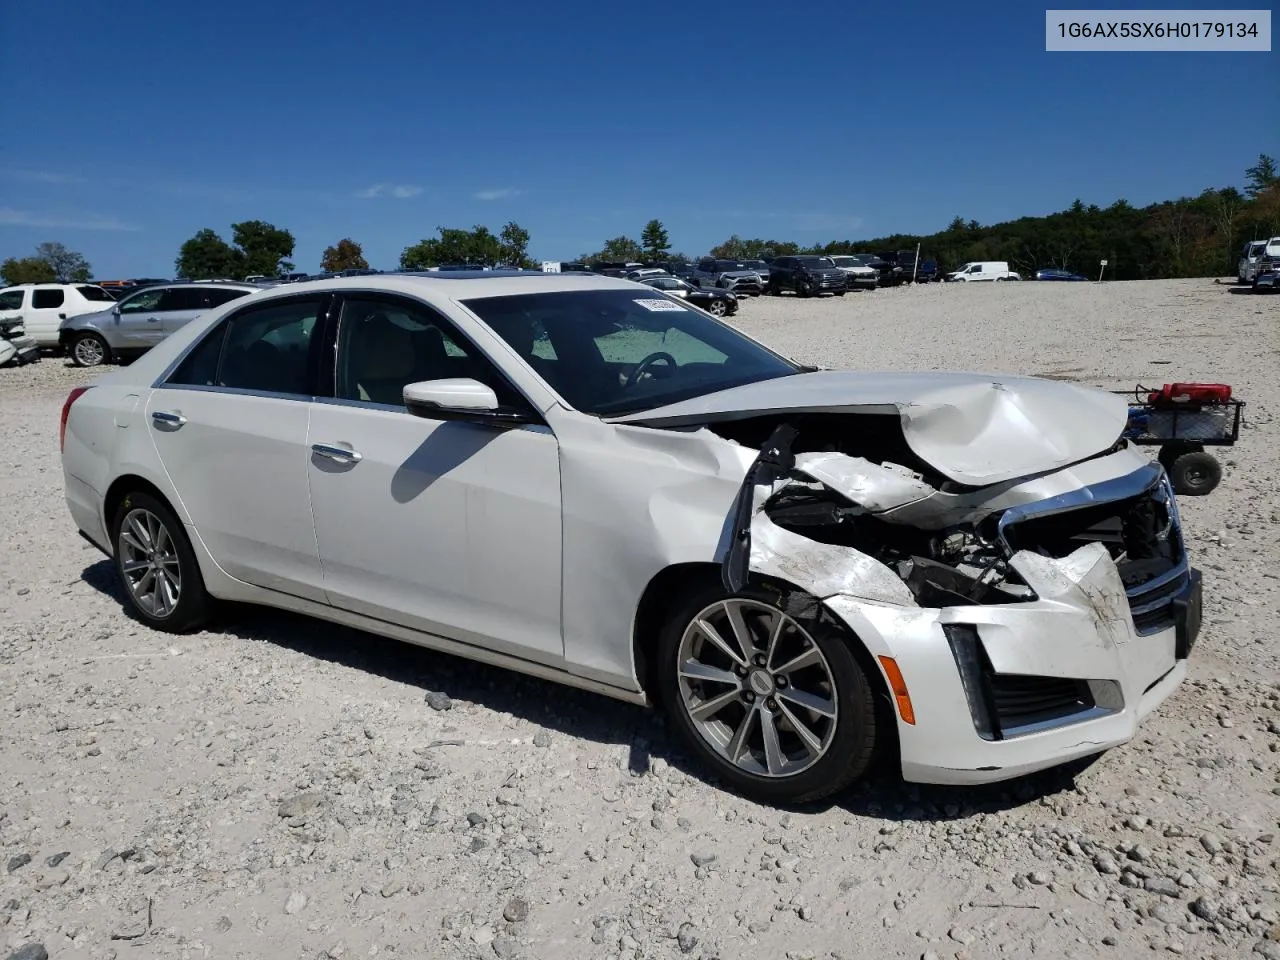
[460, 399]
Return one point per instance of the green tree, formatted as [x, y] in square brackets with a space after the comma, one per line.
[655, 241]
[346, 254]
[477, 246]
[1260, 176]
[26, 270]
[67, 265]
[265, 248]
[207, 256]
[619, 248]
[514, 240]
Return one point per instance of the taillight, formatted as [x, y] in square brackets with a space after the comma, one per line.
[72, 397]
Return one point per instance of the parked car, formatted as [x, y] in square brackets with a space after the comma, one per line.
[727, 275]
[1255, 253]
[647, 272]
[722, 303]
[983, 270]
[142, 319]
[43, 306]
[806, 275]
[890, 273]
[760, 267]
[859, 276]
[456, 462]
[1053, 273]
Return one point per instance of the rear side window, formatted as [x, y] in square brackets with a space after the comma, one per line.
[11, 300]
[217, 297]
[47, 299]
[94, 293]
[180, 298]
[266, 349]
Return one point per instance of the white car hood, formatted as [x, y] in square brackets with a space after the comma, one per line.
[975, 428]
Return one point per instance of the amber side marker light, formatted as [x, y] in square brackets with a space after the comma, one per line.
[899, 688]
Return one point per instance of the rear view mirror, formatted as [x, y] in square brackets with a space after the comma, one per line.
[459, 398]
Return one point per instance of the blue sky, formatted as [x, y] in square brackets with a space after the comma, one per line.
[145, 122]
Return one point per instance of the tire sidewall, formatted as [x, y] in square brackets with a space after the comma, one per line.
[193, 601]
[853, 745]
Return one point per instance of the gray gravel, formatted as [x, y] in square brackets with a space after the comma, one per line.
[278, 787]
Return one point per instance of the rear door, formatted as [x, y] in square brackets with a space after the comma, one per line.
[45, 313]
[139, 322]
[230, 427]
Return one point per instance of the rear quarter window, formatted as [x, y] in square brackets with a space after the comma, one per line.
[94, 293]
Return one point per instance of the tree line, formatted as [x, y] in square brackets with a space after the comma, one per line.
[1189, 237]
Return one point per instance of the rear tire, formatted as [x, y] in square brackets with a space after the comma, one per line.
[157, 567]
[717, 308]
[753, 740]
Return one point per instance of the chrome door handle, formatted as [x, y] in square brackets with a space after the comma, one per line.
[153, 319]
[163, 418]
[333, 452]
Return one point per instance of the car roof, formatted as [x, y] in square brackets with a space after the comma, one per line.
[457, 284]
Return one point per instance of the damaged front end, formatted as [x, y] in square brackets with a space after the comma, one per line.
[1057, 600]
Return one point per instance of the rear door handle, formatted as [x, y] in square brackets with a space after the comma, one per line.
[162, 418]
[331, 451]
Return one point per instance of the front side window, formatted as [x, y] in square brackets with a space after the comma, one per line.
[620, 351]
[144, 302]
[47, 299]
[385, 344]
[11, 300]
[266, 349]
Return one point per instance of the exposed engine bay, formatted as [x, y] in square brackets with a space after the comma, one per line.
[850, 481]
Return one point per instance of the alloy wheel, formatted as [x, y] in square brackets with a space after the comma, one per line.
[88, 351]
[716, 307]
[149, 562]
[757, 688]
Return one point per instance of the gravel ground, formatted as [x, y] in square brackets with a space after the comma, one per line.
[284, 788]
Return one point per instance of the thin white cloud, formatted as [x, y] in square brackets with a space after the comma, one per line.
[22, 218]
[401, 191]
[40, 176]
[497, 194]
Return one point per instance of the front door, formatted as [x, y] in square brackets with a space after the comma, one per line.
[448, 527]
[230, 426]
[139, 322]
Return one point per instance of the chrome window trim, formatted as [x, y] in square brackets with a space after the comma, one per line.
[235, 391]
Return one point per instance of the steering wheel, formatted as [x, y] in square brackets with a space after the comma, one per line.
[643, 366]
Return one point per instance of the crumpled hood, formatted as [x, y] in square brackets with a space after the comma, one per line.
[975, 428]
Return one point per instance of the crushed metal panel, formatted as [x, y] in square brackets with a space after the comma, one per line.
[867, 484]
[975, 429]
[822, 569]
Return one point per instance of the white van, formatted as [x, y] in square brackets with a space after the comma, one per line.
[41, 307]
[983, 270]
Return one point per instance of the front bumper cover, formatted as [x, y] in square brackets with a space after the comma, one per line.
[1080, 628]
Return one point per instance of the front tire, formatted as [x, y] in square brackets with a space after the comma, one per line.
[90, 350]
[717, 308]
[157, 567]
[768, 693]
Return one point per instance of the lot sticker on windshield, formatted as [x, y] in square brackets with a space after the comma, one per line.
[659, 306]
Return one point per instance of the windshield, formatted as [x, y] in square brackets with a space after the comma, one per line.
[610, 352]
[846, 261]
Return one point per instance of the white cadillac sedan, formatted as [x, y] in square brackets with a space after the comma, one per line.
[587, 480]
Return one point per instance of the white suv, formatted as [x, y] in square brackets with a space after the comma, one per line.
[41, 307]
